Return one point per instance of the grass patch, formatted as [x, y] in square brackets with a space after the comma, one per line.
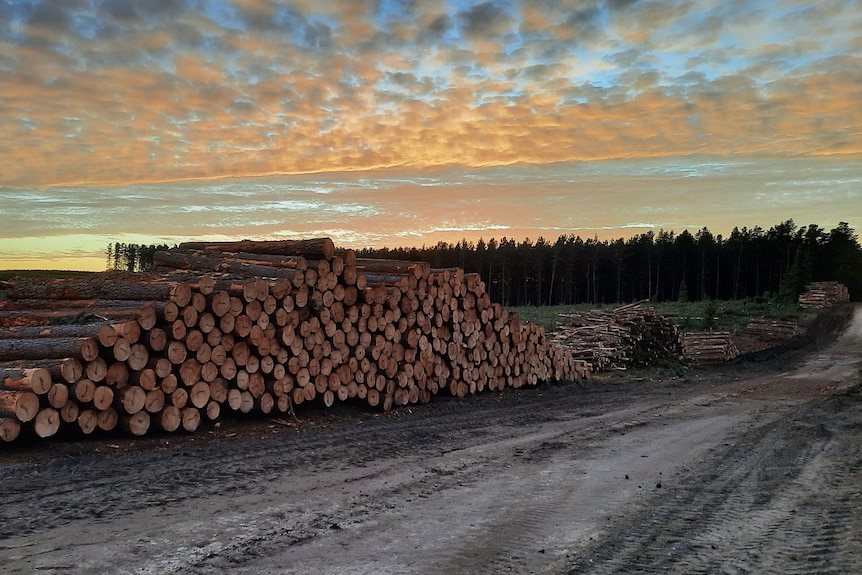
[547, 316]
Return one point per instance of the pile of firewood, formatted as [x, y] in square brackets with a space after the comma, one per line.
[618, 338]
[254, 327]
[708, 347]
[821, 295]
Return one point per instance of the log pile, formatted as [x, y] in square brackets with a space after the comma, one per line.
[618, 338]
[254, 327]
[708, 347]
[822, 295]
[773, 329]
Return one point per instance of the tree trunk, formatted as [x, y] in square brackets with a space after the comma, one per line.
[23, 405]
[87, 421]
[317, 248]
[137, 423]
[170, 418]
[191, 418]
[101, 287]
[47, 422]
[85, 348]
[9, 429]
[38, 380]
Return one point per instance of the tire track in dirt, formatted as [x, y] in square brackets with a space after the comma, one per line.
[782, 498]
[101, 488]
[469, 468]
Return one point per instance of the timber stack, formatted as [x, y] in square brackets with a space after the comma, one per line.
[773, 329]
[708, 347]
[618, 338]
[254, 327]
[822, 295]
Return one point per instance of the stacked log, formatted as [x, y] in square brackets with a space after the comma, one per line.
[618, 338]
[708, 347]
[822, 295]
[256, 327]
[773, 329]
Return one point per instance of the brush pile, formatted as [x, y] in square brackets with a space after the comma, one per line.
[254, 327]
[618, 338]
[822, 295]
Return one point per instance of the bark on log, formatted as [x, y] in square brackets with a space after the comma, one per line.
[53, 331]
[69, 370]
[384, 267]
[13, 319]
[227, 261]
[102, 286]
[85, 348]
[316, 248]
[38, 380]
[86, 306]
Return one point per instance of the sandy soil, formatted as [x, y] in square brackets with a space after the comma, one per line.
[752, 467]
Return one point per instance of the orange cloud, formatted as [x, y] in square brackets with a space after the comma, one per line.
[259, 90]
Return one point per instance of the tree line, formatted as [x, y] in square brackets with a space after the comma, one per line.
[666, 266]
[131, 257]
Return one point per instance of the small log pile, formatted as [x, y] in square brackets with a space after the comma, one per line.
[254, 327]
[617, 338]
[773, 329]
[708, 347]
[822, 295]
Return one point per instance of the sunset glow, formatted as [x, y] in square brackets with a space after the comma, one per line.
[410, 122]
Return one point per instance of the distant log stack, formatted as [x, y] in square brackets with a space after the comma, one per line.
[708, 347]
[618, 338]
[822, 295]
[254, 327]
[773, 329]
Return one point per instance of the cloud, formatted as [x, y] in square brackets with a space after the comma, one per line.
[485, 20]
[106, 91]
[51, 15]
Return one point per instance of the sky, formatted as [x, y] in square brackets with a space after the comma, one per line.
[404, 123]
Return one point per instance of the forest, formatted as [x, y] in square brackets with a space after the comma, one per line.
[774, 263]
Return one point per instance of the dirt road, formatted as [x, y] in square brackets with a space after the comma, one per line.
[749, 468]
